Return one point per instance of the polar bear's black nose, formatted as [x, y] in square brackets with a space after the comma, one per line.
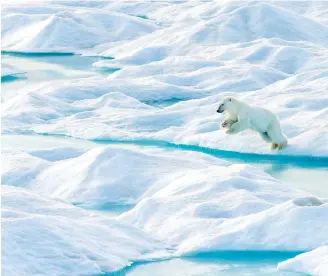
[220, 109]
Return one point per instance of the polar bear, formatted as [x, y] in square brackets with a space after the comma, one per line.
[241, 116]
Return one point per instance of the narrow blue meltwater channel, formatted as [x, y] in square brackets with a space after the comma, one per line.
[308, 173]
[226, 263]
[304, 172]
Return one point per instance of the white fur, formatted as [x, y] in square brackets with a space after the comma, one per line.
[241, 116]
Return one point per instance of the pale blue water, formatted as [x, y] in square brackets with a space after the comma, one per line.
[41, 67]
[305, 172]
[164, 103]
[240, 263]
[107, 209]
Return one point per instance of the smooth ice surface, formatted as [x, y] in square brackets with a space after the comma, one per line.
[41, 235]
[314, 262]
[34, 142]
[40, 68]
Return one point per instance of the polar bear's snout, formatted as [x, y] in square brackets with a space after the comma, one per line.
[220, 109]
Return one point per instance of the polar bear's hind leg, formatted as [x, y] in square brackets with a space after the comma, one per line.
[278, 139]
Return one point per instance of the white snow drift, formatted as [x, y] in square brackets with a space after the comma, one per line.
[231, 209]
[43, 236]
[65, 29]
[101, 175]
[314, 262]
[10, 70]
[195, 203]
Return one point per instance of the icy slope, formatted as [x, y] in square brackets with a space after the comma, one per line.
[71, 240]
[232, 208]
[9, 70]
[194, 203]
[99, 176]
[66, 29]
[20, 168]
[314, 262]
[243, 24]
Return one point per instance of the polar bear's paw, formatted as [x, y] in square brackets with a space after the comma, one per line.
[227, 123]
[282, 145]
[278, 146]
[274, 146]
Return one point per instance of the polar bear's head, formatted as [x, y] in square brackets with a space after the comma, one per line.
[228, 104]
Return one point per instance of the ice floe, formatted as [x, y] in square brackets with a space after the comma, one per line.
[84, 110]
[44, 236]
[231, 209]
[64, 28]
[313, 263]
[98, 176]
[187, 53]
[8, 71]
[195, 203]
[267, 66]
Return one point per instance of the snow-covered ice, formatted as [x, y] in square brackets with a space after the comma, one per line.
[61, 28]
[231, 209]
[314, 262]
[101, 175]
[193, 202]
[9, 70]
[43, 236]
[87, 109]
[205, 54]
[169, 64]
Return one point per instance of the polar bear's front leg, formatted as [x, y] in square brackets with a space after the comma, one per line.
[236, 127]
[227, 123]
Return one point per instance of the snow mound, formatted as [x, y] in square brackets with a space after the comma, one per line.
[194, 211]
[9, 70]
[314, 262]
[98, 176]
[226, 212]
[69, 30]
[263, 21]
[19, 168]
[71, 240]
